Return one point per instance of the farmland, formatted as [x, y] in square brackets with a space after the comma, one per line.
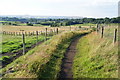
[12, 44]
[54, 47]
[48, 50]
[12, 39]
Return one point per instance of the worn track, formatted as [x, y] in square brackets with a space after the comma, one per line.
[67, 61]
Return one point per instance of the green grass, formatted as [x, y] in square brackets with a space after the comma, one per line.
[14, 43]
[96, 57]
[85, 24]
[4, 58]
[44, 60]
[5, 21]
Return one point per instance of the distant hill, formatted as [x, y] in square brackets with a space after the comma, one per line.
[43, 17]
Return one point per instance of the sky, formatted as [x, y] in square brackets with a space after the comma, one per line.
[83, 8]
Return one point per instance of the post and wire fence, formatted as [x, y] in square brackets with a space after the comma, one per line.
[35, 35]
[105, 31]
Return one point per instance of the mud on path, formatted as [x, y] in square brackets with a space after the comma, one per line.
[67, 61]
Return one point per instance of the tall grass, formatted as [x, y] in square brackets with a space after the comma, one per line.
[43, 61]
[96, 57]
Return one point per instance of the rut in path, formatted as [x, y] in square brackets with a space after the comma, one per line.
[67, 61]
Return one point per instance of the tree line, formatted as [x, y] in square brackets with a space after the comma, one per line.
[57, 22]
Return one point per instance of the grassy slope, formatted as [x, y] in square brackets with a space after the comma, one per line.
[46, 60]
[96, 57]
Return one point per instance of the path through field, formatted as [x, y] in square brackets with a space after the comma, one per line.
[66, 67]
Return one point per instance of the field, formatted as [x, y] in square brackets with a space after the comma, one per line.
[12, 45]
[12, 41]
[49, 58]
[42, 28]
[96, 57]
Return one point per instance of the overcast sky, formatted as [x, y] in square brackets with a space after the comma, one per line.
[85, 8]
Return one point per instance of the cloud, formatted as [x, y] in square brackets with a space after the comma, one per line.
[60, 7]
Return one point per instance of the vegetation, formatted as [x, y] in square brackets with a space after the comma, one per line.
[96, 57]
[14, 43]
[56, 22]
[43, 61]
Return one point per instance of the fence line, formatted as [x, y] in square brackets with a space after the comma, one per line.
[102, 34]
[47, 32]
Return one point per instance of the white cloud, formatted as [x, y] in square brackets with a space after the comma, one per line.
[59, 7]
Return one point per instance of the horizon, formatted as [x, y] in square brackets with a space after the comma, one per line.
[86, 8]
[38, 16]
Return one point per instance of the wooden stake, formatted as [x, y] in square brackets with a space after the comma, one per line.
[115, 35]
[46, 34]
[102, 33]
[36, 37]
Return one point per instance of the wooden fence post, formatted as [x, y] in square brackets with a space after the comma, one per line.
[19, 34]
[57, 30]
[13, 33]
[70, 28]
[102, 33]
[3, 32]
[23, 39]
[41, 33]
[97, 28]
[28, 33]
[115, 35]
[33, 33]
[9, 33]
[36, 37]
[16, 33]
[54, 31]
[25, 34]
[6, 32]
[46, 34]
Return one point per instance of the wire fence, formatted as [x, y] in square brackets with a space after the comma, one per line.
[17, 43]
[108, 31]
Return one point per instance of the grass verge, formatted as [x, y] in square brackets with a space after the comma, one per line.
[96, 57]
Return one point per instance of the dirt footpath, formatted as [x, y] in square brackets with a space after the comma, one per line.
[67, 61]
